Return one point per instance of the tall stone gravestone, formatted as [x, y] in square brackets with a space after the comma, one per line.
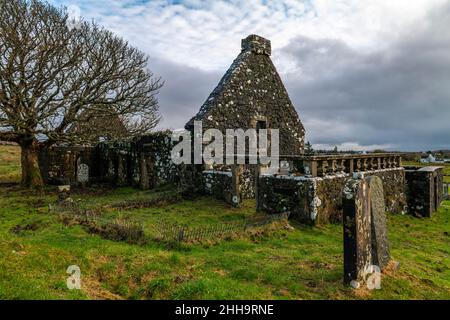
[83, 173]
[357, 232]
[366, 247]
[380, 243]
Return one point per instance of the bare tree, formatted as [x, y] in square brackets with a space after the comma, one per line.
[54, 78]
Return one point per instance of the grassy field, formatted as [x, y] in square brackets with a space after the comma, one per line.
[283, 263]
[9, 164]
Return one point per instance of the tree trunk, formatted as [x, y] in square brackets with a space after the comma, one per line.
[31, 173]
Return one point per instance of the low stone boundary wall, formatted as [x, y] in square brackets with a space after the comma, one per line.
[318, 200]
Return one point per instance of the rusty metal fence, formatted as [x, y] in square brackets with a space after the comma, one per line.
[163, 230]
[173, 232]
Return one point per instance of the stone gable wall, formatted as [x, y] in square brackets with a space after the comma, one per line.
[252, 91]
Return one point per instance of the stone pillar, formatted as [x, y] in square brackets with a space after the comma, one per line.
[333, 166]
[236, 170]
[311, 167]
[357, 232]
[358, 165]
[365, 164]
[351, 166]
[121, 171]
[144, 182]
[372, 164]
[324, 168]
[342, 166]
[314, 168]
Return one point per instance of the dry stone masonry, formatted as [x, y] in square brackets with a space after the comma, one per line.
[252, 95]
[314, 196]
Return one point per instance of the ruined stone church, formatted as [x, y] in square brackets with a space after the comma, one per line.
[250, 95]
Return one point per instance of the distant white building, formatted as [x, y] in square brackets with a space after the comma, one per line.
[430, 159]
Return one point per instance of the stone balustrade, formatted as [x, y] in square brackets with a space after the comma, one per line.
[323, 165]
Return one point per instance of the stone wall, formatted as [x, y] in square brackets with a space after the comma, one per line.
[218, 184]
[252, 95]
[60, 165]
[319, 200]
[233, 185]
[144, 162]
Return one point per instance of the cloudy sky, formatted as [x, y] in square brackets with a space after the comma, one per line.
[362, 74]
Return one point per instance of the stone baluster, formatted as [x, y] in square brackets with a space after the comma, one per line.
[365, 164]
[309, 167]
[373, 165]
[314, 168]
[324, 167]
[333, 167]
[384, 163]
[351, 166]
[358, 165]
[342, 166]
[396, 161]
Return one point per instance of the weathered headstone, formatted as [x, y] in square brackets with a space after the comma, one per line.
[380, 243]
[83, 173]
[357, 232]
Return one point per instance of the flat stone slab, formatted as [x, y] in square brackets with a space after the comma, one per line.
[380, 244]
[357, 232]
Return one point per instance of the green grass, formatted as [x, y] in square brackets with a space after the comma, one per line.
[9, 164]
[302, 263]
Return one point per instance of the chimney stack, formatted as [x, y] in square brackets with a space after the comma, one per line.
[256, 44]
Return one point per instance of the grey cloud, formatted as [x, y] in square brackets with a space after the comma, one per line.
[184, 91]
[399, 96]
